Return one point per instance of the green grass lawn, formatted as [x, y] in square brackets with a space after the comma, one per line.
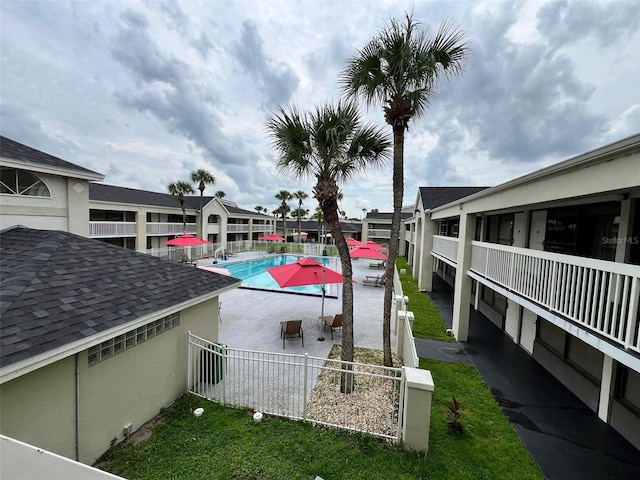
[428, 323]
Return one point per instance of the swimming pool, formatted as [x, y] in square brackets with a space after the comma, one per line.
[254, 274]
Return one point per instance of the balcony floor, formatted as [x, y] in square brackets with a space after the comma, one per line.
[566, 439]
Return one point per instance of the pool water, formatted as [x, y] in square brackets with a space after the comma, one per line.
[254, 273]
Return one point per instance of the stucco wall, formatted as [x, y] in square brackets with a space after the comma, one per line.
[132, 387]
[38, 408]
[39, 212]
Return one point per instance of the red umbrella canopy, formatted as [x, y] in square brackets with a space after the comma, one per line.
[305, 271]
[352, 242]
[186, 240]
[364, 251]
[374, 245]
[272, 238]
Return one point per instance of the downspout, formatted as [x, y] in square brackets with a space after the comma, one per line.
[77, 407]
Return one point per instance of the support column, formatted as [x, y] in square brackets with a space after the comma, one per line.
[462, 286]
[425, 280]
[606, 388]
[416, 415]
[625, 227]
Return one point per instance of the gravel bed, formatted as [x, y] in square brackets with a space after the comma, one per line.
[372, 407]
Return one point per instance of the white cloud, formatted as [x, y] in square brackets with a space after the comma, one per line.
[146, 91]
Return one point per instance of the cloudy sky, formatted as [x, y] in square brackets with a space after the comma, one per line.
[147, 92]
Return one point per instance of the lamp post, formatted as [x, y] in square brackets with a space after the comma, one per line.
[324, 279]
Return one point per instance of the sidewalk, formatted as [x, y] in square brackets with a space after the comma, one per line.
[566, 439]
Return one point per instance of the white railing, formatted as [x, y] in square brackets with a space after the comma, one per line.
[379, 233]
[162, 228]
[601, 296]
[299, 387]
[409, 353]
[260, 227]
[112, 229]
[446, 247]
[237, 227]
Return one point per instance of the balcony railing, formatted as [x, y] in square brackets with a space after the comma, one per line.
[237, 228]
[379, 233]
[601, 296]
[259, 227]
[160, 228]
[112, 229]
[446, 247]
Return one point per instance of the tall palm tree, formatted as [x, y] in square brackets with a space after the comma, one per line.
[330, 144]
[399, 69]
[202, 178]
[284, 196]
[300, 196]
[181, 188]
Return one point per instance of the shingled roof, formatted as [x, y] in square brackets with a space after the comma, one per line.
[113, 194]
[59, 288]
[28, 156]
[433, 197]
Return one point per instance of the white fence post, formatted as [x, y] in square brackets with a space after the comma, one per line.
[418, 389]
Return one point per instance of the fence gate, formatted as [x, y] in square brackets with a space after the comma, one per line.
[299, 387]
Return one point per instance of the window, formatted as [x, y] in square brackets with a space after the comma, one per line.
[21, 182]
[115, 346]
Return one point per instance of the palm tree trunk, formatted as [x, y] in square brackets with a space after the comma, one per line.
[331, 216]
[398, 193]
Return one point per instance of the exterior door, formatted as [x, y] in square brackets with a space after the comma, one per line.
[538, 228]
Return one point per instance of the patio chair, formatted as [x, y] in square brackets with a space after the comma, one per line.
[184, 258]
[334, 323]
[374, 280]
[291, 330]
[377, 265]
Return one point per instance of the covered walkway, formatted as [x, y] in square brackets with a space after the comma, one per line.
[565, 438]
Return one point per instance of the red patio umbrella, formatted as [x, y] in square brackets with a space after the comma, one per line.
[352, 242]
[305, 271]
[272, 237]
[365, 251]
[374, 245]
[186, 240]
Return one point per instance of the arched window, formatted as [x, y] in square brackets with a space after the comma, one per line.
[21, 182]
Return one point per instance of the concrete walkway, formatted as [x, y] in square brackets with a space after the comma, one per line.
[566, 439]
[251, 318]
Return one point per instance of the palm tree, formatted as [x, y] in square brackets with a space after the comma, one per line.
[202, 178]
[319, 217]
[220, 194]
[332, 145]
[399, 69]
[300, 196]
[181, 188]
[259, 208]
[284, 196]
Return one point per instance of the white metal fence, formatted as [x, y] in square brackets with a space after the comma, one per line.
[446, 247]
[299, 387]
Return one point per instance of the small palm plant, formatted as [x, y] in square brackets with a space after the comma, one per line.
[453, 415]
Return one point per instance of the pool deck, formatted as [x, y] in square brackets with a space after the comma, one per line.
[251, 318]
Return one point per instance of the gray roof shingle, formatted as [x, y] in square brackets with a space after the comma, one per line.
[433, 197]
[17, 151]
[110, 193]
[58, 288]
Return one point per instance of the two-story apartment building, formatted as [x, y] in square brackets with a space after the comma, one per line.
[553, 259]
[142, 220]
